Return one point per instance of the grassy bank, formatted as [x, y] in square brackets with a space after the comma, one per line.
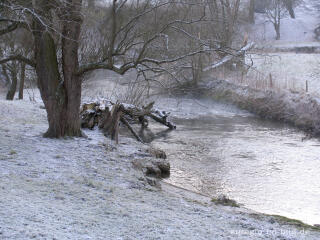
[300, 110]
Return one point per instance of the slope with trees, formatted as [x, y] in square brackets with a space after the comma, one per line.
[124, 42]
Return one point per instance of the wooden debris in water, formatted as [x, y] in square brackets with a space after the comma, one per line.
[108, 115]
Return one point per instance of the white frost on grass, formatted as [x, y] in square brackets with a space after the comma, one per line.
[79, 188]
[289, 71]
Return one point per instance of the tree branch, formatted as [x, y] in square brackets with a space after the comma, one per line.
[94, 66]
[125, 67]
[18, 58]
[230, 57]
[14, 24]
[11, 28]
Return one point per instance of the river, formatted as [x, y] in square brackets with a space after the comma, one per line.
[218, 149]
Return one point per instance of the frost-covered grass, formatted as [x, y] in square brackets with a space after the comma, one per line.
[278, 66]
[285, 71]
[280, 72]
[79, 188]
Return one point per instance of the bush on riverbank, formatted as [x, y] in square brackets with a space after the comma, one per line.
[301, 110]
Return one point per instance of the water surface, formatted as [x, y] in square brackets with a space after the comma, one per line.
[219, 149]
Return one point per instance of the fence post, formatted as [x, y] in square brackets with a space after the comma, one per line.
[307, 87]
[270, 80]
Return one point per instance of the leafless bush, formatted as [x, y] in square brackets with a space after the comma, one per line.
[135, 92]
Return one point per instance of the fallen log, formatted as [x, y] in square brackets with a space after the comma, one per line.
[125, 122]
[160, 118]
[108, 116]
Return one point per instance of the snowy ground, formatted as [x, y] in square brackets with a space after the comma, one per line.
[87, 189]
[298, 30]
[289, 71]
[290, 61]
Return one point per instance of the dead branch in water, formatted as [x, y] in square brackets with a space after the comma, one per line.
[107, 116]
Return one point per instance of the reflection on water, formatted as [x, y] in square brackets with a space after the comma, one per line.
[264, 165]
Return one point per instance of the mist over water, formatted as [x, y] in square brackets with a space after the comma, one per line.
[264, 165]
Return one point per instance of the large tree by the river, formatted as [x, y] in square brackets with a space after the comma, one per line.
[55, 26]
[60, 88]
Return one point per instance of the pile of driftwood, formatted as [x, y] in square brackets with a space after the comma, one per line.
[108, 116]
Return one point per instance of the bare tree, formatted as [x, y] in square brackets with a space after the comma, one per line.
[5, 75]
[275, 12]
[10, 70]
[278, 9]
[15, 41]
[224, 13]
[290, 4]
[125, 41]
[22, 79]
[251, 11]
[13, 69]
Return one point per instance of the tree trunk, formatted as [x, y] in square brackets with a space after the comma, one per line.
[278, 35]
[70, 65]
[251, 11]
[289, 6]
[61, 95]
[49, 83]
[13, 86]
[277, 28]
[197, 68]
[22, 77]
[5, 74]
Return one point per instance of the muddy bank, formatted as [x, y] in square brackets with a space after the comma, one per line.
[300, 110]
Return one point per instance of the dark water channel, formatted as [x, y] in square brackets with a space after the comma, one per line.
[219, 149]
